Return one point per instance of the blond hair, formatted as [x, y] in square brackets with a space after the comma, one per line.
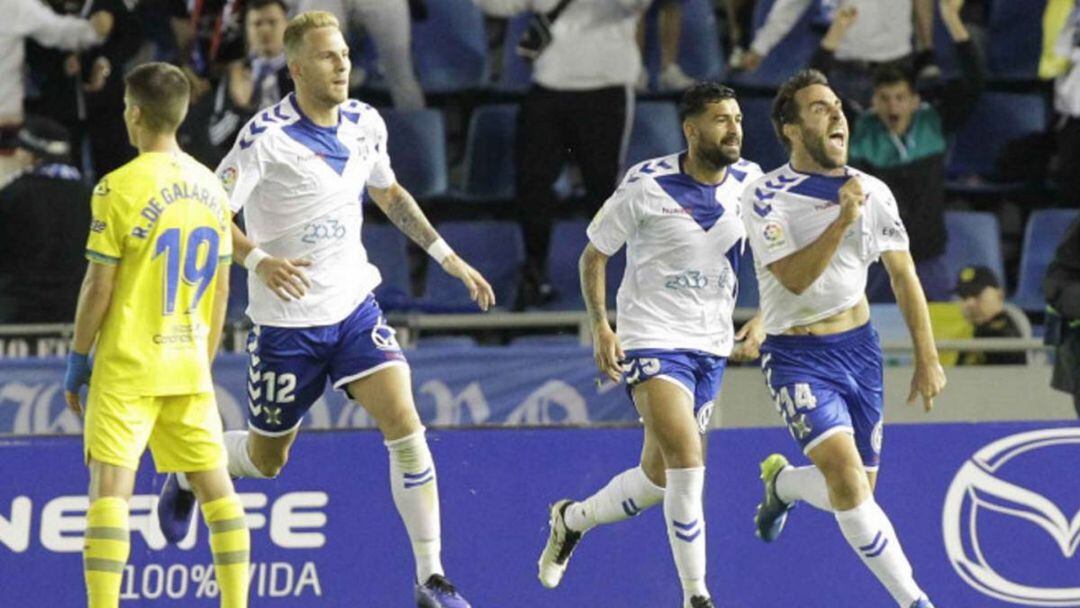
[303, 23]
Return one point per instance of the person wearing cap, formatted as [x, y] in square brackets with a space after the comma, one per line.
[44, 215]
[982, 302]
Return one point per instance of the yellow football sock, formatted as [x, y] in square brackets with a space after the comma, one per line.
[231, 545]
[105, 551]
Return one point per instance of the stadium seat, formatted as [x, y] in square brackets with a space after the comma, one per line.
[450, 47]
[759, 138]
[387, 249]
[516, 74]
[997, 119]
[700, 55]
[748, 286]
[495, 248]
[1014, 36]
[445, 342]
[656, 131]
[789, 56]
[974, 239]
[1045, 230]
[489, 154]
[891, 327]
[238, 294]
[417, 146]
[568, 240]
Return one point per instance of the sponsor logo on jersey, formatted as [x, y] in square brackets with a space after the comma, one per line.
[102, 188]
[97, 225]
[228, 179]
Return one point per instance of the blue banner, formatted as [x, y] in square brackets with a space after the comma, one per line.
[987, 514]
[452, 386]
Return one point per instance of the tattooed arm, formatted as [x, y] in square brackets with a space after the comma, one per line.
[401, 208]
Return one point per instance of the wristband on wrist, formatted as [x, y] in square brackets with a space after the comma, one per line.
[256, 255]
[439, 250]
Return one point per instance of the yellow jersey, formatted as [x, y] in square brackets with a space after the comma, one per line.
[163, 219]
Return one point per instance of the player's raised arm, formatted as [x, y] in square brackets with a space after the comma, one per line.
[929, 377]
[798, 271]
[95, 297]
[402, 209]
[606, 348]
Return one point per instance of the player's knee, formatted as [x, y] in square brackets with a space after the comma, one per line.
[683, 457]
[847, 483]
[270, 465]
[399, 423]
[653, 466]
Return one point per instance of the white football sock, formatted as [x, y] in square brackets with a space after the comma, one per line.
[685, 519]
[803, 483]
[416, 496]
[870, 533]
[626, 495]
[240, 465]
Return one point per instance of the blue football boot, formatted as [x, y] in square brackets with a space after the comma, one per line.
[438, 592]
[175, 508]
[772, 512]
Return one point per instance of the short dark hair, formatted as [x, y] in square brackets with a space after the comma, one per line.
[256, 5]
[162, 93]
[784, 109]
[695, 98]
[892, 73]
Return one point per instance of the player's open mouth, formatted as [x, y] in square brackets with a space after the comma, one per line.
[837, 138]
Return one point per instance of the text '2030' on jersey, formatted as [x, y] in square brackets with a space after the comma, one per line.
[786, 211]
[163, 219]
[683, 241]
[300, 187]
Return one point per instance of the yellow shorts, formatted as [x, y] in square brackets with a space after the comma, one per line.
[183, 431]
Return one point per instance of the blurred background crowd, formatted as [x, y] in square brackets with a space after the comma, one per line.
[512, 121]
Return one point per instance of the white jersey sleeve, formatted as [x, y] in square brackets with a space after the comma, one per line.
[239, 171]
[884, 219]
[616, 221]
[382, 175]
[768, 227]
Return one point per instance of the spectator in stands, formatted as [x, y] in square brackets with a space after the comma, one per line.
[85, 92]
[982, 302]
[387, 22]
[30, 19]
[740, 17]
[669, 26]
[209, 39]
[1067, 104]
[44, 214]
[261, 80]
[1062, 290]
[581, 105]
[881, 35]
[902, 140]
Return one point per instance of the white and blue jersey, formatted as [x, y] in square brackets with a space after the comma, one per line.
[821, 385]
[683, 240]
[300, 186]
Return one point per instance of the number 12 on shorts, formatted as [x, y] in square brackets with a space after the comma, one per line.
[804, 399]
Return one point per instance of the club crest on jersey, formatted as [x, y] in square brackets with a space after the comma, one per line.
[382, 336]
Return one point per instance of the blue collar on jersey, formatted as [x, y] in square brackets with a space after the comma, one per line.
[824, 187]
[323, 141]
[697, 198]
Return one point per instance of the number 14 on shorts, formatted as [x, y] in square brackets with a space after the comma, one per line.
[804, 399]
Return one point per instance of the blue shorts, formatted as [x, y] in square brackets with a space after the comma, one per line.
[823, 385]
[288, 366]
[698, 373]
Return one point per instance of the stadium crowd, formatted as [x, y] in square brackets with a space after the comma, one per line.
[933, 98]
